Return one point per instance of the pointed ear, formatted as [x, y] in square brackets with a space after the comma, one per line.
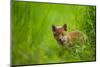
[53, 28]
[65, 27]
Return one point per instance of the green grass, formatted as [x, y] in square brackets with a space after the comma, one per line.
[32, 37]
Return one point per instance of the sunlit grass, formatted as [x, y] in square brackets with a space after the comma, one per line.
[32, 37]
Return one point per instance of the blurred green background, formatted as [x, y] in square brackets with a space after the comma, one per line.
[32, 37]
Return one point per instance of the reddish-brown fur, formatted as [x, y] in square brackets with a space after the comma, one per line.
[64, 37]
[73, 35]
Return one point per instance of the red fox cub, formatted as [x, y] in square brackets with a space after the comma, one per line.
[66, 38]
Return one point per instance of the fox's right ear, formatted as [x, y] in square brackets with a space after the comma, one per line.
[65, 27]
[53, 28]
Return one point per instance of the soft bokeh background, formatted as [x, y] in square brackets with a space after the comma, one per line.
[32, 37]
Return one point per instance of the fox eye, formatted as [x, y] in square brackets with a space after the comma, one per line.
[56, 34]
[62, 34]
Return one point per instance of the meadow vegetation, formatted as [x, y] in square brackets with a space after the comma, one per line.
[32, 37]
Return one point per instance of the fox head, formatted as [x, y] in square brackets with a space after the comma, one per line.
[59, 32]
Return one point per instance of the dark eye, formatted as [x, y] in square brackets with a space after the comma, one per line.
[56, 34]
[62, 34]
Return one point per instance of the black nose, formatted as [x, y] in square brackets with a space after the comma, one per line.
[60, 40]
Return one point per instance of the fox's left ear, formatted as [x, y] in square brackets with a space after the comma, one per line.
[53, 27]
[65, 27]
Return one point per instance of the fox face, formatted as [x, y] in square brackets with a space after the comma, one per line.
[64, 37]
[59, 32]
